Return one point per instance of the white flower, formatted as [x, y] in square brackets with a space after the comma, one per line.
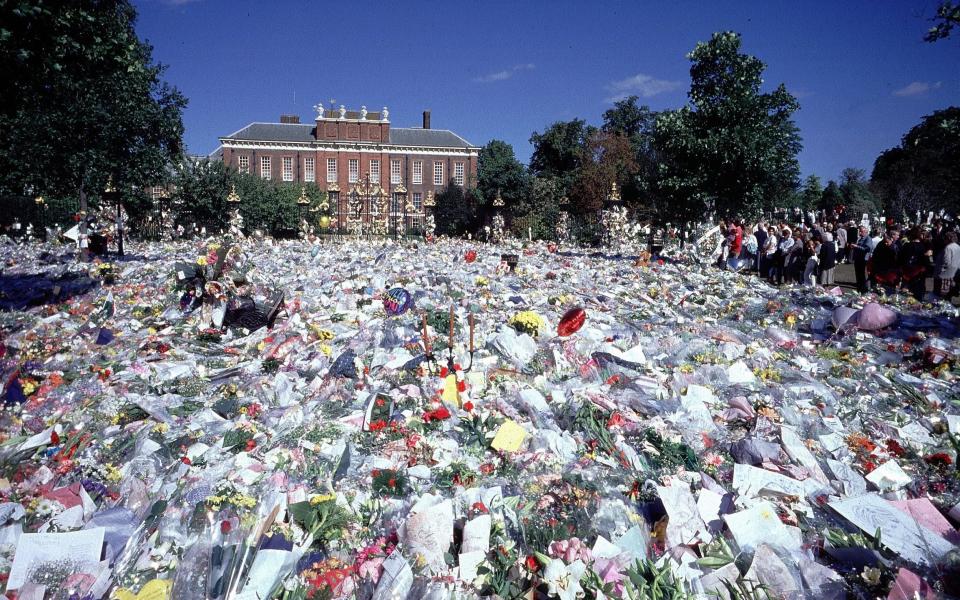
[562, 580]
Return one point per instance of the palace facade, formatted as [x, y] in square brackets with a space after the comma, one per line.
[365, 165]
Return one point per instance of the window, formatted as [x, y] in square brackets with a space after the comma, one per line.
[395, 170]
[309, 169]
[331, 170]
[458, 173]
[243, 164]
[156, 192]
[288, 168]
[375, 171]
[418, 201]
[417, 172]
[353, 170]
[265, 167]
[438, 173]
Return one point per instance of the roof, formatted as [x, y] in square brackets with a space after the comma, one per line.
[414, 136]
[305, 132]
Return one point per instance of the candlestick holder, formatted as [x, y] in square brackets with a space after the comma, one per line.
[431, 358]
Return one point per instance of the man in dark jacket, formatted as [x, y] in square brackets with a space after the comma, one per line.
[860, 249]
[828, 259]
[883, 264]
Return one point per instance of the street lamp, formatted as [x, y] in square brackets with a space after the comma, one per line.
[110, 193]
[302, 201]
[236, 221]
[41, 205]
[498, 223]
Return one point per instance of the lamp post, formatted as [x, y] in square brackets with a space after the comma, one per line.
[110, 193]
[613, 218]
[563, 220]
[236, 221]
[302, 202]
[498, 223]
[41, 206]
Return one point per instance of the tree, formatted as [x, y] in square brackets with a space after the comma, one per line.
[540, 210]
[636, 123]
[857, 197]
[200, 195]
[454, 213]
[831, 197]
[83, 100]
[921, 173]
[498, 170]
[948, 17]
[810, 193]
[557, 151]
[735, 147]
[606, 158]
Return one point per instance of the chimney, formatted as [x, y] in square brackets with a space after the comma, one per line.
[290, 119]
[426, 119]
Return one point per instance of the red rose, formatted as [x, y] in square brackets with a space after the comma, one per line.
[185, 460]
[479, 507]
[54, 438]
[441, 413]
[225, 527]
[251, 445]
[532, 563]
[468, 406]
[461, 386]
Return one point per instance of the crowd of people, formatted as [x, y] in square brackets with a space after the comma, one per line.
[886, 257]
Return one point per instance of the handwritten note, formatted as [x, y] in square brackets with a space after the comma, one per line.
[509, 437]
[79, 547]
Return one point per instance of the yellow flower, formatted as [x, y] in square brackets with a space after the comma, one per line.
[161, 428]
[202, 261]
[481, 281]
[113, 473]
[326, 349]
[321, 498]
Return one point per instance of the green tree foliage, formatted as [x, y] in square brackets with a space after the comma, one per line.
[558, 150]
[455, 212]
[857, 197]
[735, 147]
[82, 100]
[636, 123]
[831, 197]
[606, 158]
[499, 170]
[947, 17]
[921, 173]
[810, 194]
[200, 196]
[537, 213]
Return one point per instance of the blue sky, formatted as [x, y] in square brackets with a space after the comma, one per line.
[503, 70]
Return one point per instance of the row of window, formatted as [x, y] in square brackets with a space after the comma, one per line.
[353, 170]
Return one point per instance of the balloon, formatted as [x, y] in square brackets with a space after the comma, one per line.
[844, 314]
[470, 256]
[571, 321]
[397, 301]
[873, 317]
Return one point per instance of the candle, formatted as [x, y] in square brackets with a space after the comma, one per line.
[471, 332]
[451, 325]
[426, 338]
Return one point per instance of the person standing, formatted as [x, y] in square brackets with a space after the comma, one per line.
[860, 251]
[949, 266]
[828, 258]
[883, 263]
[841, 236]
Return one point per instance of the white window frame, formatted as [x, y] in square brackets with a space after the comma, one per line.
[331, 170]
[458, 173]
[417, 172]
[309, 169]
[286, 163]
[266, 167]
[395, 170]
[243, 163]
[417, 201]
[438, 173]
[375, 170]
[353, 170]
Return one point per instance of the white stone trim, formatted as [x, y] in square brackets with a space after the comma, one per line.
[361, 149]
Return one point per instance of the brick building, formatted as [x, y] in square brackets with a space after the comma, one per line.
[406, 166]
